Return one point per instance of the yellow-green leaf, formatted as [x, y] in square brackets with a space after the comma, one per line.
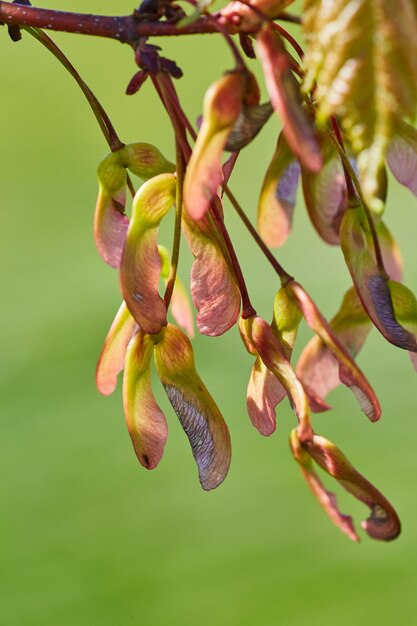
[362, 56]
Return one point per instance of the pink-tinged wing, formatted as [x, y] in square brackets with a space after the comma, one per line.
[405, 309]
[285, 323]
[349, 373]
[402, 155]
[145, 421]
[113, 353]
[264, 393]
[278, 195]
[249, 123]
[370, 283]
[181, 308]
[214, 290]
[180, 303]
[259, 334]
[326, 499]
[391, 252]
[198, 413]
[284, 92]
[110, 225]
[141, 264]
[326, 199]
[383, 523]
[222, 105]
[317, 366]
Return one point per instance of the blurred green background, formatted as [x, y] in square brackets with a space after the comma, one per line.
[90, 538]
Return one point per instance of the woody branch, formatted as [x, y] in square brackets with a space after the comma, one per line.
[125, 28]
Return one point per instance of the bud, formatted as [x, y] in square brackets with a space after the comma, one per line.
[237, 13]
[145, 161]
[222, 105]
[141, 264]
[198, 413]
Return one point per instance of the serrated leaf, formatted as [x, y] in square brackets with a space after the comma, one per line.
[362, 56]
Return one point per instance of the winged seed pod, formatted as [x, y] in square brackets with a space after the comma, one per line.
[214, 290]
[113, 353]
[278, 194]
[349, 373]
[284, 92]
[261, 341]
[198, 413]
[110, 221]
[383, 523]
[265, 391]
[402, 155]
[145, 421]
[369, 280]
[222, 106]
[140, 267]
[250, 122]
[317, 367]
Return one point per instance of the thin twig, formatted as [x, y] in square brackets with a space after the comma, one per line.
[284, 276]
[177, 228]
[123, 28]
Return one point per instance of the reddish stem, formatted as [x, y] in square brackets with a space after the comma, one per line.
[124, 28]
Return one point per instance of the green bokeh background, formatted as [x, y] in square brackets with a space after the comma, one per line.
[88, 537]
